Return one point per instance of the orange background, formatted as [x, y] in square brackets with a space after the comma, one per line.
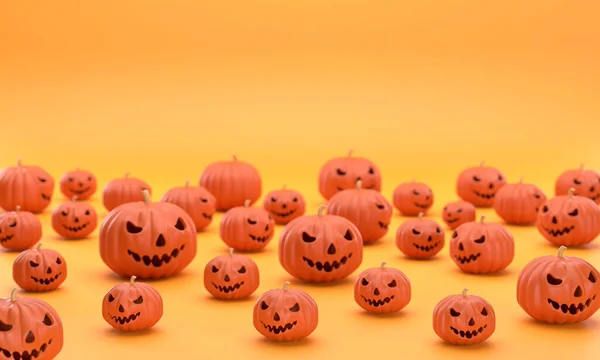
[423, 88]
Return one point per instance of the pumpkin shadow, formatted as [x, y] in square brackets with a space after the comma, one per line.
[339, 283]
[132, 334]
[302, 343]
[554, 248]
[381, 316]
[109, 275]
[214, 300]
[586, 326]
[435, 258]
[500, 274]
[13, 251]
[484, 347]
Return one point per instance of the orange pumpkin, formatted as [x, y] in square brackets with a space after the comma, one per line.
[74, 219]
[382, 290]
[586, 182]
[559, 289]
[19, 230]
[29, 329]
[464, 319]
[285, 315]
[284, 205]
[132, 306]
[342, 173]
[420, 238]
[481, 248]
[518, 204]
[569, 220]
[124, 190]
[27, 186]
[479, 185]
[457, 213]
[365, 208]
[232, 183]
[231, 276]
[247, 228]
[147, 239]
[198, 202]
[80, 183]
[39, 269]
[413, 198]
[320, 248]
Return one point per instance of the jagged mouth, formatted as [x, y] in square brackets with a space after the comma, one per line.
[485, 196]
[427, 248]
[279, 329]
[207, 216]
[421, 206]
[469, 333]
[285, 214]
[82, 191]
[559, 232]
[383, 226]
[261, 239]
[228, 289]
[327, 266]
[46, 197]
[75, 228]
[155, 260]
[6, 238]
[46, 281]
[595, 197]
[467, 259]
[126, 319]
[378, 302]
[451, 221]
[26, 355]
[572, 309]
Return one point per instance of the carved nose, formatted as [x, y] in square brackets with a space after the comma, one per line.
[283, 206]
[376, 292]
[81, 184]
[121, 308]
[161, 240]
[427, 197]
[578, 292]
[471, 322]
[276, 317]
[267, 227]
[429, 238]
[460, 247]
[491, 186]
[554, 221]
[30, 337]
[226, 278]
[331, 249]
[49, 270]
[592, 189]
[76, 219]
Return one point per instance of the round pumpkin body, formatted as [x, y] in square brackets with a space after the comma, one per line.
[124, 190]
[413, 198]
[247, 228]
[342, 173]
[420, 238]
[196, 201]
[284, 205]
[559, 289]
[232, 276]
[19, 230]
[285, 314]
[27, 186]
[382, 290]
[147, 239]
[585, 182]
[457, 213]
[232, 183]
[74, 219]
[482, 248]
[464, 319]
[39, 269]
[479, 185]
[518, 204]
[320, 248]
[80, 183]
[29, 329]
[132, 306]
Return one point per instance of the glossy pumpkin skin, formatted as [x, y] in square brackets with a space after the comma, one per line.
[559, 289]
[132, 306]
[382, 290]
[80, 183]
[285, 314]
[585, 182]
[320, 248]
[232, 183]
[479, 185]
[231, 276]
[413, 198]
[19, 230]
[464, 319]
[137, 239]
[29, 325]
[457, 213]
[420, 238]
[518, 204]
[196, 201]
[482, 248]
[74, 219]
[284, 205]
[27, 186]
[124, 190]
[247, 228]
[39, 269]
[342, 173]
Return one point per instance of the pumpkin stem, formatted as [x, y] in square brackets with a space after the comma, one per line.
[285, 285]
[383, 264]
[561, 251]
[421, 216]
[230, 251]
[126, 175]
[132, 279]
[350, 152]
[247, 203]
[482, 218]
[234, 157]
[74, 198]
[38, 247]
[146, 195]
[19, 161]
[571, 192]
[521, 180]
[358, 184]
[17, 208]
[187, 183]
[284, 186]
[482, 163]
[320, 210]
[581, 167]
[464, 292]
[13, 294]
[414, 180]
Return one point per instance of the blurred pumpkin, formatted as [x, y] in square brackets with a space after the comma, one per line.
[124, 190]
[284, 205]
[231, 276]
[196, 201]
[413, 198]
[479, 185]
[39, 269]
[585, 182]
[420, 238]
[19, 230]
[457, 213]
[247, 228]
[27, 186]
[74, 219]
[342, 173]
[518, 204]
[80, 183]
[382, 290]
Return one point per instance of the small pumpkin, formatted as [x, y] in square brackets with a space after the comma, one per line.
[457, 213]
[382, 290]
[342, 173]
[198, 202]
[585, 182]
[285, 315]
[231, 276]
[147, 239]
[518, 204]
[365, 208]
[132, 306]
[74, 219]
[569, 220]
[464, 319]
[27, 186]
[80, 183]
[320, 248]
[232, 183]
[29, 329]
[559, 289]
[247, 228]
[482, 247]
[479, 185]
[19, 230]
[413, 198]
[420, 238]
[39, 269]
[124, 190]
[284, 205]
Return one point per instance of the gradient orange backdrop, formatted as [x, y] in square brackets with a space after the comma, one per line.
[424, 88]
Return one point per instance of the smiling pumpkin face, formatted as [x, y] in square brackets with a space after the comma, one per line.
[420, 238]
[196, 201]
[457, 213]
[479, 185]
[413, 198]
[19, 230]
[80, 183]
[284, 205]
[74, 219]
[231, 276]
[382, 290]
[342, 173]
[247, 228]
[584, 182]
[39, 269]
[27, 186]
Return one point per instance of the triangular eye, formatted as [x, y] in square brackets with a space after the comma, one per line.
[58, 261]
[139, 300]
[251, 222]
[242, 270]
[416, 232]
[379, 206]
[455, 234]
[348, 235]
[264, 306]
[64, 213]
[215, 269]
[48, 320]
[340, 172]
[307, 238]
[592, 278]
[203, 200]
[5, 327]
[476, 178]
[41, 179]
[576, 182]
[392, 284]
[364, 282]
[454, 313]
[552, 280]
[180, 225]
[132, 228]
[574, 213]
[481, 240]
[111, 298]
[295, 308]
[33, 263]
[484, 312]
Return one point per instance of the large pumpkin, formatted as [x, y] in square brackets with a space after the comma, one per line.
[74, 219]
[420, 238]
[457, 213]
[231, 276]
[19, 230]
[80, 183]
[518, 204]
[413, 198]
[247, 228]
[39, 269]
[147, 239]
[382, 290]
[585, 182]
[479, 185]
[232, 183]
[198, 202]
[342, 173]
[27, 186]
[124, 190]
[320, 248]
[284, 205]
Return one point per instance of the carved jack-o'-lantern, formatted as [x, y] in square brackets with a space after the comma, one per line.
[19, 230]
[420, 238]
[519, 203]
[284, 205]
[124, 190]
[74, 219]
[585, 182]
[479, 185]
[413, 198]
[457, 213]
[27, 186]
[342, 173]
[231, 276]
[80, 183]
[382, 290]
[247, 228]
[39, 269]
[198, 202]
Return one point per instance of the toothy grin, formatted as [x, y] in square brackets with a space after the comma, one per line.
[25, 355]
[279, 329]
[378, 302]
[327, 266]
[260, 238]
[46, 281]
[451, 221]
[421, 206]
[426, 248]
[467, 259]
[469, 333]
[126, 319]
[207, 216]
[559, 232]
[286, 214]
[572, 309]
[75, 228]
[82, 191]
[383, 226]
[156, 261]
[46, 197]
[228, 289]
[6, 238]
[485, 196]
